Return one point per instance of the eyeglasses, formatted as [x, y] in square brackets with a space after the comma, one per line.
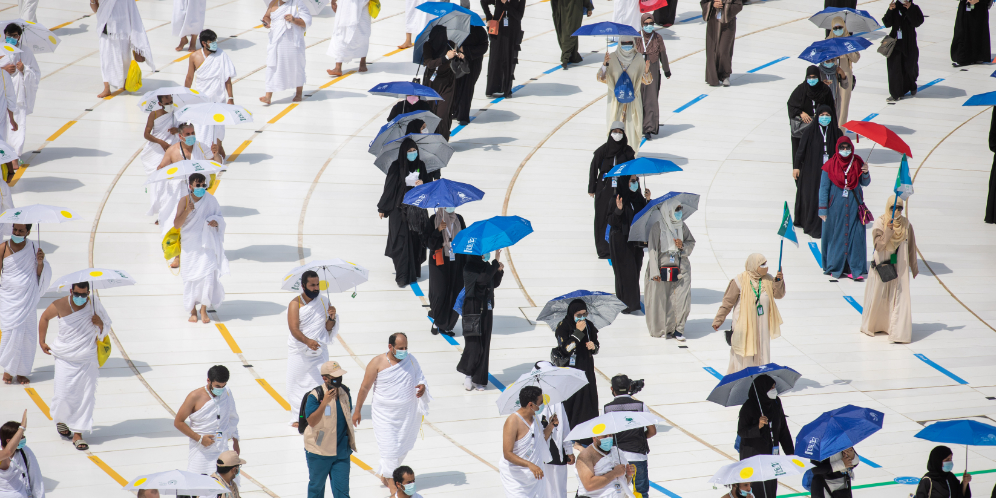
[80, 294]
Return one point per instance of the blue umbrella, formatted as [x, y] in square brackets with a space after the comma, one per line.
[440, 9]
[967, 432]
[639, 229]
[732, 390]
[442, 193]
[834, 47]
[397, 127]
[643, 166]
[400, 89]
[606, 29]
[457, 26]
[491, 234]
[433, 150]
[603, 307]
[857, 21]
[837, 430]
[993, 75]
[988, 98]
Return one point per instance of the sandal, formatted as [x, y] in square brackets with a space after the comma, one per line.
[63, 430]
[81, 445]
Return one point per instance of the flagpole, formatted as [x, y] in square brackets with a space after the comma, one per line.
[781, 248]
[895, 200]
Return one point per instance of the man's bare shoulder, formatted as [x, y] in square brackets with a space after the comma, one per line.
[589, 457]
[380, 362]
[294, 304]
[197, 58]
[61, 306]
[198, 397]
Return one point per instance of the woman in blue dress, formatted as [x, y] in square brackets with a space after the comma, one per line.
[843, 237]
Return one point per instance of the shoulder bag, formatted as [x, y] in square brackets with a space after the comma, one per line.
[798, 126]
[729, 337]
[472, 324]
[493, 25]
[887, 46]
[460, 67]
[886, 269]
[864, 215]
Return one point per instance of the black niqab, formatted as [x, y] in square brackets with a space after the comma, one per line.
[414, 126]
[772, 408]
[438, 44]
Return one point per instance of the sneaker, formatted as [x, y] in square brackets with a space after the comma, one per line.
[447, 332]
[726, 82]
[480, 387]
[679, 336]
[434, 329]
[467, 384]
[890, 99]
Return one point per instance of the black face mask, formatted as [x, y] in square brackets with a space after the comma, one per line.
[311, 294]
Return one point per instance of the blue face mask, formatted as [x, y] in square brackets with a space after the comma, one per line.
[412, 156]
[22, 443]
[410, 489]
[627, 48]
[605, 444]
[11, 41]
[17, 239]
[824, 120]
[845, 152]
[486, 256]
[540, 408]
[580, 319]
[217, 391]
[648, 28]
[400, 354]
[812, 81]
[190, 140]
[199, 192]
[828, 64]
[213, 46]
[449, 210]
[838, 31]
[677, 215]
[79, 301]
[634, 187]
[947, 466]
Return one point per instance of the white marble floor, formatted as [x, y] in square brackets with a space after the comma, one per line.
[302, 186]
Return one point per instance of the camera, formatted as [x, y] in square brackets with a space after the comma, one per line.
[636, 386]
[623, 385]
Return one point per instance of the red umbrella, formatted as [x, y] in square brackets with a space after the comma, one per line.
[880, 135]
[651, 5]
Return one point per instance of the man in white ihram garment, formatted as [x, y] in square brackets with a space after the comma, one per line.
[122, 33]
[603, 471]
[202, 249]
[285, 61]
[350, 34]
[525, 446]
[25, 277]
[24, 74]
[627, 12]
[82, 323]
[313, 325]
[8, 104]
[188, 20]
[168, 193]
[400, 401]
[160, 133]
[415, 21]
[209, 73]
[28, 9]
[209, 418]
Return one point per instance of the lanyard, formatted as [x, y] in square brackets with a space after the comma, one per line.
[848, 169]
[757, 292]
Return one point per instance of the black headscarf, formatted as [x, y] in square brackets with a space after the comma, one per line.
[438, 44]
[567, 326]
[771, 408]
[804, 95]
[628, 196]
[935, 462]
[406, 165]
[414, 126]
[612, 148]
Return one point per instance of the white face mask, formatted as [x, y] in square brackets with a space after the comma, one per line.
[773, 393]
[616, 136]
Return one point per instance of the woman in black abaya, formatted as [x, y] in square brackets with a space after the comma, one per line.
[903, 65]
[577, 338]
[436, 57]
[609, 154]
[817, 144]
[505, 45]
[760, 416]
[403, 244]
[473, 49]
[991, 201]
[806, 98]
[970, 43]
[627, 257]
[940, 482]
[445, 268]
[480, 277]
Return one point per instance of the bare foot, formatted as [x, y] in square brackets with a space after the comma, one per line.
[334, 72]
[193, 318]
[7, 379]
[363, 68]
[406, 45]
[264, 100]
[103, 95]
[23, 380]
[297, 98]
[294, 425]
[192, 48]
[175, 263]
[204, 315]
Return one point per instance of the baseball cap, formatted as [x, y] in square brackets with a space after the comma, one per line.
[230, 459]
[333, 369]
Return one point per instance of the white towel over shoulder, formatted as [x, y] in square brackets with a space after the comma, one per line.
[397, 413]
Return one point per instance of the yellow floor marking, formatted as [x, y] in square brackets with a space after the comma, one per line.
[38, 401]
[359, 463]
[282, 113]
[239, 150]
[273, 392]
[336, 80]
[396, 51]
[17, 175]
[107, 468]
[214, 187]
[61, 131]
[63, 25]
[228, 338]
[185, 57]
[115, 93]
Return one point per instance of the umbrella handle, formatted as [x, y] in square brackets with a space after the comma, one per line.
[759, 407]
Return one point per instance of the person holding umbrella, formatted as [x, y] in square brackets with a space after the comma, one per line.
[524, 446]
[903, 64]
[25, 274]
[623, 72]
[841, 200]
[445, 268]
[25, 73]
[505, 45]
[601, 466]
[403, 244]
[844, 70]
[669, 297]
[615, 150]
[480, 278]
[832, 476]
[439, 76]
[160, 134]
[939, 481]
[627, 257]
[762, 427]
[313, 325]
[577, 339]
[887, 307]
[751, 296]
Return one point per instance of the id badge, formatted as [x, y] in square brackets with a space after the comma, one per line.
[672, 258]
[774, 451]
[504, 22]
[573, 360]
[844, 194]
[719, 15]
[614, 182]
[825, 158]
[899, 34]
[760, 310]
[489, 307]
[328, 410]
[433, 77]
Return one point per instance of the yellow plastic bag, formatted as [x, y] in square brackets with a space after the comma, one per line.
[374, 8]
[171, 244]
[103, 350]
[133, 82]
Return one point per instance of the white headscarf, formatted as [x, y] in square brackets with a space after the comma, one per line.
[625, 58]
[671, 227]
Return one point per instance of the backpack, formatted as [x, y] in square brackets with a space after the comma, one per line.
[302, 420]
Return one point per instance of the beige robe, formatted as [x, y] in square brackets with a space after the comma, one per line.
[887, 304]
[731, 301]
[667, 304]
[630, 114]
[844, 91]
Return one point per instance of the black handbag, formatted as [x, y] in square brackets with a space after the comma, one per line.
[798, 126]
[558, 359]
[460, 67]
[472, 325]
[886, 270]
[729, 337]
[670, 273]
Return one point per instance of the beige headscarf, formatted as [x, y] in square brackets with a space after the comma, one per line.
[452, 228]
[838, 21]
[671, 227]
[898, 234]
[745, 332]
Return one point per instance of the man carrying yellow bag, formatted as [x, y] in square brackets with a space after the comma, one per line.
[122, 36]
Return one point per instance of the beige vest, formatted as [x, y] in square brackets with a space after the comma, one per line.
[321, 439]
[232, 491]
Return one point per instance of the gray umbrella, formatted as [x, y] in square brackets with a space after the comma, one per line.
[457, 26]
[639, 230]
[603, 308]
[433, 150]
[396, 128]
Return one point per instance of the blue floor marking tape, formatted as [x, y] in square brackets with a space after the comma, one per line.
[713, 372]
[869, 462]
[870, 116]
[691, 18]
[776, 61]
[460, 127]
[816, 253]
[941, 369]
[928, 85]
[416, 289]
[662, 489]
[499, 385]
[643, 141]
[548, 71]
[854, 303]
[686, 106]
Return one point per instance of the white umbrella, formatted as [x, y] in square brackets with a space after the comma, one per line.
[760, 468]
[183, 169]
[10, 49]
[612, 423]
[40, 39]
[557, 383]
[334, 275]
[36, 214]
[182, 96]
[214, 114]
[177, 482]
[99, 278]
[7, 153]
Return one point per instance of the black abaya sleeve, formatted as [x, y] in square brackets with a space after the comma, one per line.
[496, 277]
[785, 437]
[476, 45]
[389, 199]
[992, 147]
[487, 10]
[797, 101]
[747, 423]
[891, 17]
[593, 337]
[914, 15]
[588, 6]
[432, 239]
[596, 161]
[800, 153]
